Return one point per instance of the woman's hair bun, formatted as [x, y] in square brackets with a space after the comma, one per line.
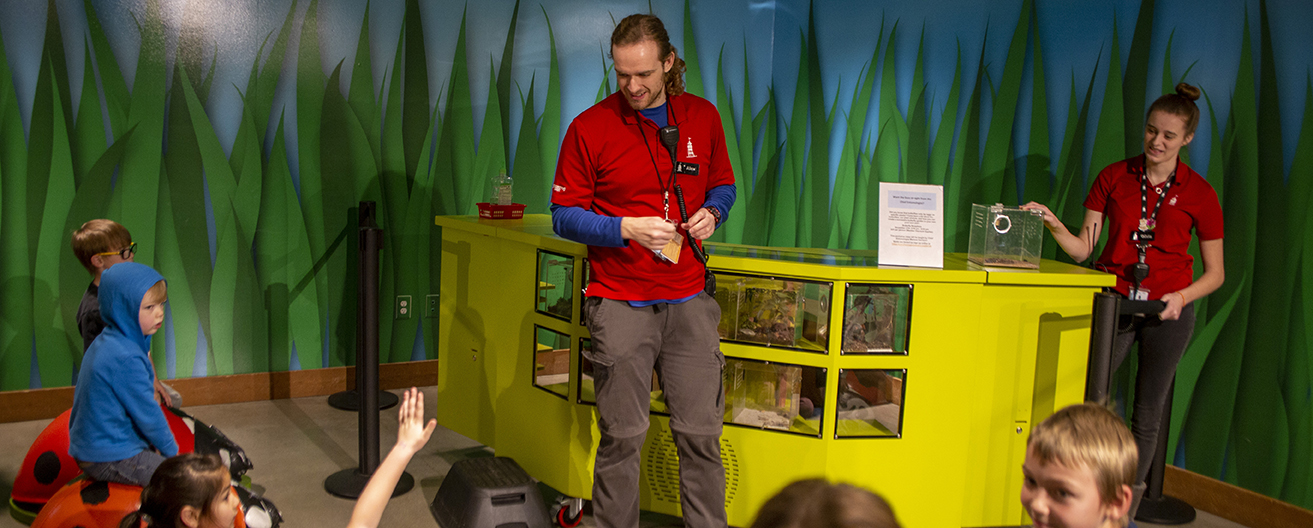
[1187, 91]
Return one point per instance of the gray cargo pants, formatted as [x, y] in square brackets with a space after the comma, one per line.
[681, 343]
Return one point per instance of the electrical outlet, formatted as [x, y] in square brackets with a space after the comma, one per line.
[404, 307]
[431, 305]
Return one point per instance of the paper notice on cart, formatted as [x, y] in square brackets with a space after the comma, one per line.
[911, 225]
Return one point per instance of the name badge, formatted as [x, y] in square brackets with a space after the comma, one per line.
[1143, 235]
[690, 169]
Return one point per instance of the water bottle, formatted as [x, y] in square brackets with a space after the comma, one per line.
[502, 188]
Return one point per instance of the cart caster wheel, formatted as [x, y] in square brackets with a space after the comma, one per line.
[568, 511]
[565, 520]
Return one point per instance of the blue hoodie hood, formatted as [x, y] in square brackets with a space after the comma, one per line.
[121, 289]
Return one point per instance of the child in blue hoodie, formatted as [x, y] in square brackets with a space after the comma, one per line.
[116, 431]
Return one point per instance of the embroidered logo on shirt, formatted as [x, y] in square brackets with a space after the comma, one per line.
[690, 149]
[558, 188]
[1172, 201]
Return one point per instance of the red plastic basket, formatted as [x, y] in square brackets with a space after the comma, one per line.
[501, 212]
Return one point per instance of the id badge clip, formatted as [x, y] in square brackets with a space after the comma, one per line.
[1141, 294]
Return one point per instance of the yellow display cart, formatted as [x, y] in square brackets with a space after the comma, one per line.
[920, 384]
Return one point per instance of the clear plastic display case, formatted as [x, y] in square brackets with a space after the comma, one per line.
[870, 403]
[555, 284]
[875, 318]
[774, 312]
[775, 396]
[1005, 236]
[551, 361]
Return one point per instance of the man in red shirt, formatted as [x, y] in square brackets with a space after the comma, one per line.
[615, 190]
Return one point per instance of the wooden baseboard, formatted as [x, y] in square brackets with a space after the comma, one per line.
[1232, 502]
[44, 404]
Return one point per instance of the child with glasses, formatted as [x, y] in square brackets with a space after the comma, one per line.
[100, 244]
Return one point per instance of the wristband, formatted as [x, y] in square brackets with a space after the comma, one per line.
[1183, 302]
[712, 209]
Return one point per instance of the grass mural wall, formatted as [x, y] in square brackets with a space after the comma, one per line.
[256, 231]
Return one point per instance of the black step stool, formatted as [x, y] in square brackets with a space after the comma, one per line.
[490, 492]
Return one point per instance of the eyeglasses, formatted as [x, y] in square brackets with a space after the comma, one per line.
[126, 252]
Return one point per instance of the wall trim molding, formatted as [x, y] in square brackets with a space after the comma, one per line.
[1232, 502]
[45, 404]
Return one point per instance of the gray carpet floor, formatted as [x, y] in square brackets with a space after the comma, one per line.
[296, 444]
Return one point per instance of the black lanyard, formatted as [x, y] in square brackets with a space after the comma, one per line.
[1149, 221]
[665, 188]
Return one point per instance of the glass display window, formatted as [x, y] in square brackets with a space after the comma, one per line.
[551, 361]
[875, 318]
[774, 312]
[555, 285]
[775, 396]
[870, 403]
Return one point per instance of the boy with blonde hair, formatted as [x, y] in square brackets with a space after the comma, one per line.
[1080, 466]
[100, 244]
[116, 431]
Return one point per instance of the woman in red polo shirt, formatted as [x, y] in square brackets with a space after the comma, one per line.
[1151, 203]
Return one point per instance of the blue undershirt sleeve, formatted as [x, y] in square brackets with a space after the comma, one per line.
[722, 197]
[586, 227]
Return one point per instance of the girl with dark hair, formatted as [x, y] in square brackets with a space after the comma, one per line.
[1152, 204]
[187, 491]
[195, 491]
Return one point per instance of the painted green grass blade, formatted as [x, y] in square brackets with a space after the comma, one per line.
[360, 96]
[56, 351]
[745, 180]
[111, 77]
[549, 123]
[414, 116]
[732, 228]
[503, 78]
[287, 276]
[1136, 82]
[693, 73]
[756, 228]
[1074, 188]
[15, 288]
[962, 187]
[814, 230]
[1264, 457]
[1039, 174]
[88, 139]
[1188, 371]
[846, 177]
[139, 177]
[261, 95]
[54, 50]
[459, 134]
[533, 186]
[245, 164]
[1298, 381]
[604, 89]
[181, 325]
[918, 140]
[943, 145]
[884, 169]
[889, 113]
[490, 158]
[223, 298]
[997, 143]
[1110, 131]
[787, 216]
[1216, 396]
[187, 190]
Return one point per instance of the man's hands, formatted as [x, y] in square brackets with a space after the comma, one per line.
[701, 225]
[654, 232]
[650, 232]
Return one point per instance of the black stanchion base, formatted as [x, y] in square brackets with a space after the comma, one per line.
[350, 400]
[350, 483]
[1165, 510]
